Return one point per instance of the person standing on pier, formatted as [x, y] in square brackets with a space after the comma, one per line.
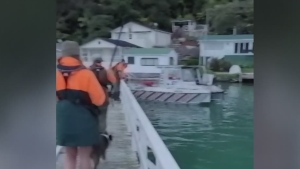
[119, 74]
[105, 78]
[78, 97]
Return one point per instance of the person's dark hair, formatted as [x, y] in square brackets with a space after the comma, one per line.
[98, 60]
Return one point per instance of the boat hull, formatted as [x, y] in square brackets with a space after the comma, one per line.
[177, 98]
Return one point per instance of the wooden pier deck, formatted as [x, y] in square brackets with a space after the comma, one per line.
[120, 154]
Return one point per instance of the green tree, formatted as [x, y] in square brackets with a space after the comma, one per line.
[225, 17]
[83, 20]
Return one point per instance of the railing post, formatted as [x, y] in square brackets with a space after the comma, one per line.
[134, 133]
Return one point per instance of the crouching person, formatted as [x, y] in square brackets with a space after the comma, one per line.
[105, 78]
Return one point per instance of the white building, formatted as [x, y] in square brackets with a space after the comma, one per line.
[104, 48]
[219, 46]
[142, 35]
[146, 60]
[189, 27]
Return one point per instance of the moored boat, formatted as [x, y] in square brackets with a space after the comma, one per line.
[177, 84]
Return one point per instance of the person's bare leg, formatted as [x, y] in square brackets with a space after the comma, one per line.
[70, 157]
[84, 155]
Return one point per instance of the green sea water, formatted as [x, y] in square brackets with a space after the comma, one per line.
[218, 136]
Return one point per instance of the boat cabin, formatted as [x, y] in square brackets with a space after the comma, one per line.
[179, 75]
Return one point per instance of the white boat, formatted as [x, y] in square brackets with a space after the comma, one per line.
[176, 84]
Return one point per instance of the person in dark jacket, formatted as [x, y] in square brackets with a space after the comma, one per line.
[105, 77]
[78, 96]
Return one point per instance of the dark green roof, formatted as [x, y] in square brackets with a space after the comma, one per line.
[242, 60]
[147, 51]
[226, 37]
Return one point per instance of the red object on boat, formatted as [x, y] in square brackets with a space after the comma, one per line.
[148, 83]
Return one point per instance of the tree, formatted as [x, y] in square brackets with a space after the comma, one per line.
[224, 18]
[83, 20]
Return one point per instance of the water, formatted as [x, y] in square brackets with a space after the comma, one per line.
[216, 137]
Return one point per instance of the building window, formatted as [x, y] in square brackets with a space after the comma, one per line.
[130, 60]
[171, 61]
[242, 48]
[245, 48]
[236, 48]
[149, 61]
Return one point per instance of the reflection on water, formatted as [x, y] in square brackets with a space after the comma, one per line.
[214, 137]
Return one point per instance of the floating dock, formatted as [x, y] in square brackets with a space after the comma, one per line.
[181, 97]
[247, 77]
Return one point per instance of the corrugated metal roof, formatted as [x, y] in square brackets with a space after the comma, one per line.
[148, 51]
[226, 37]
[121, 43]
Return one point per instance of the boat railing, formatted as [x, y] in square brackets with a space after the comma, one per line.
[151, 150]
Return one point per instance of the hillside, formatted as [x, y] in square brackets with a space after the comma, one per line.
[83, 20]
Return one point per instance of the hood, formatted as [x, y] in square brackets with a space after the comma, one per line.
[68, 63]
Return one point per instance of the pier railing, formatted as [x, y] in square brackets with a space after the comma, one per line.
[151, 150]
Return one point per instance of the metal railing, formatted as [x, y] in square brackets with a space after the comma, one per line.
[151, 150]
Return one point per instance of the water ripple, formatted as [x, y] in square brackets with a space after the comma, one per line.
[211, 137]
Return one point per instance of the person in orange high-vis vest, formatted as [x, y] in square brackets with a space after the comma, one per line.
[79, 95]
[119, 74]
[105, 77]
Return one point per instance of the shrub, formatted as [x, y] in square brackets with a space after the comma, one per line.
[192, 62]
[224, 65]
[226, 77]
[189, 62]
[214, 65]
[220, 65]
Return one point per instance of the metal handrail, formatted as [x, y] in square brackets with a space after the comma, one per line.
[144, 136]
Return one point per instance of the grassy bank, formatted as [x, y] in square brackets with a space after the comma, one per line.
[247, 70]
[227, 77]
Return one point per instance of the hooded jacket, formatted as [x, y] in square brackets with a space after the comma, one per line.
[81, 86]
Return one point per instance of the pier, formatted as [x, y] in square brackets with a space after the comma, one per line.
[246, 77]
[136, 144]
